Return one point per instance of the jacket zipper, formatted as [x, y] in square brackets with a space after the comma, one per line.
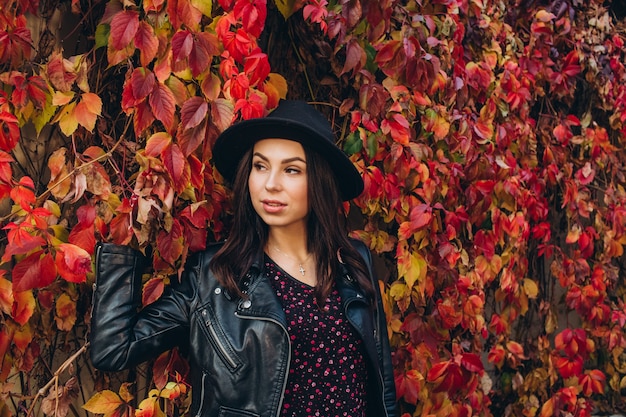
[282, 391]
[95, 280]
[199, 413]
[380, 375]
[220, 346]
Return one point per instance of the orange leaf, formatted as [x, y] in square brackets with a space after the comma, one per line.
[23, 307]
[88, 110]
[103, 402]
[22, 337]
[65, 310]
[6, 295]
[157, 143]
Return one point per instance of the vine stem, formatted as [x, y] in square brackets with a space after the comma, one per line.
[55, 379]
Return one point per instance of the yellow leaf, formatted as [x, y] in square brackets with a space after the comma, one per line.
[544, 16]
[530, 288]
[279, 83]
[67, 120]
[104, 402]
[286, 7]
[205, 6]
[125, 392]
[413, 269]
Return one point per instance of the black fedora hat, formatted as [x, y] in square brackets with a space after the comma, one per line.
[293, 120]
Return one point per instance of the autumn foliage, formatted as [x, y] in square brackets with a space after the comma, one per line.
[490, 136]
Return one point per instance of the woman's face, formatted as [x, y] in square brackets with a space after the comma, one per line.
[278, 183]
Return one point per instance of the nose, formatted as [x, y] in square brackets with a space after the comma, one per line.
[272, 182]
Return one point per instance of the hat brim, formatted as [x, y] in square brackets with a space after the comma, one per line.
[233, 143]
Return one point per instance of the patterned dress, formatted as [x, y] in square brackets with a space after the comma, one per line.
[327, 373]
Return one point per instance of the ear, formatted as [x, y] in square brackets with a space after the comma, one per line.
[339, 256]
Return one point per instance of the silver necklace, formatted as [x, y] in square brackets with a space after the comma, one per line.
[300, 266]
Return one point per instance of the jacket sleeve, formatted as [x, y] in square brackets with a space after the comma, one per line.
[122, 335]
[382, 336]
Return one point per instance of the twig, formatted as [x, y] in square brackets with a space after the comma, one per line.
[55, 379]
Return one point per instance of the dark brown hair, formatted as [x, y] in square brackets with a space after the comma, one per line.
[326, 229]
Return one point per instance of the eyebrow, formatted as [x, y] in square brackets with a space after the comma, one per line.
[284, 161]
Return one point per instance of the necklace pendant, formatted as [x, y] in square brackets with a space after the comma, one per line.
[302, 271]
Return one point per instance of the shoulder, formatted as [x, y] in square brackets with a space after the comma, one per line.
[362, 249]
[203, 257]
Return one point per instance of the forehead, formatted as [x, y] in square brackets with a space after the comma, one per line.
[279, 147]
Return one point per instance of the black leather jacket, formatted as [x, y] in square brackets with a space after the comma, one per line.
[238, 349]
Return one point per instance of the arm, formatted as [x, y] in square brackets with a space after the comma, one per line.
[121, 336]
[382, 341]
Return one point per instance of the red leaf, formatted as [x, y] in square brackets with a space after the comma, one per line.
[176, 166]
[124, 26]
[421, 215]
[193, 112]
[182, 43]
[256, 67]
[6, 172]
[391, 59]
[35, 271]
[60, 72]
[190, 139]
[252, 14]
[170, 245]
[152, 290]
[182, 12]
[409, 386]
[142, 83]
[23, 194]
[355, 57]
[205, 46]
[73, 262]
[9, 131]
[147, 43]
[472, 363]
[84, 237]
[143, 118]
[162, 104]
[20, 241]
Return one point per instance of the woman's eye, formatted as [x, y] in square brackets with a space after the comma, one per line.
[258, 166]
[292, 170]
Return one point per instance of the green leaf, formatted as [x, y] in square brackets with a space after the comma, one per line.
[353, 143]
[286, 7]
[102, 35]
[372, 144]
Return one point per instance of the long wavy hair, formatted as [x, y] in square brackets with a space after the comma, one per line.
[327, 232]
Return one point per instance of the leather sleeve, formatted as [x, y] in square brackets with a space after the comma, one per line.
[383, 338]
[121, 335]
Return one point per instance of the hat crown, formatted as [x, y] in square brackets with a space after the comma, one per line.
[301, 112]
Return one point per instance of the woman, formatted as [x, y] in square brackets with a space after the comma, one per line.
[281, 319]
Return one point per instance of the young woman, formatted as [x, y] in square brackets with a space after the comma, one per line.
[281, 319]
